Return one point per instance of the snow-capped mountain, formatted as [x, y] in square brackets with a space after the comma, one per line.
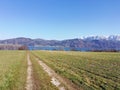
[114, 37]
[111, 42]
[111, 37]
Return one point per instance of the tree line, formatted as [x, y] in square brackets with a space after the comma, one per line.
[12, 47]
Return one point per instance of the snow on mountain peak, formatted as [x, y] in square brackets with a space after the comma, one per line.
[111, 37]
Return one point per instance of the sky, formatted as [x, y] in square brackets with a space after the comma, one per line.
[58, 19]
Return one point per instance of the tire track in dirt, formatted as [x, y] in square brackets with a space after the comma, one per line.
[29, 82]
[56, 79]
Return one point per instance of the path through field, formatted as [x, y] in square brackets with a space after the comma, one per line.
[55, 78]
[52, 74]
[29, 83]
[58, 70]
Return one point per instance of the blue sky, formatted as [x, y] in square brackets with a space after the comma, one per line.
[58, 19]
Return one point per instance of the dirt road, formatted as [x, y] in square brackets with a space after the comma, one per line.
[58, 81]
[29, 82]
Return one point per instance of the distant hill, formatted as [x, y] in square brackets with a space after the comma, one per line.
[90, 43]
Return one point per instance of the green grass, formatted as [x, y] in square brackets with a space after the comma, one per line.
[13, 68]
[89, 70]
[13, 72]
[41, 78]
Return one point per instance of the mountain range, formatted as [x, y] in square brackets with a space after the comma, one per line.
[91, 43]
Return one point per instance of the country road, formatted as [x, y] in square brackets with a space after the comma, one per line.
[56, 80]
[29, 83]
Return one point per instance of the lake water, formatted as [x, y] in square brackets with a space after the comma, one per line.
[56, 48]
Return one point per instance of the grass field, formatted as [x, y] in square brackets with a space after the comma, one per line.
[89, 70]
[12, 70]
[41, 78]
[86, 70]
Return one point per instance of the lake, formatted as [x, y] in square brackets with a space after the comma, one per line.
[56, 48]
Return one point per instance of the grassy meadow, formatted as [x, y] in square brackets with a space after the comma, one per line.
[86, 70]
[41, 79]
[13, 68]
[89, 70]
[13, 72]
